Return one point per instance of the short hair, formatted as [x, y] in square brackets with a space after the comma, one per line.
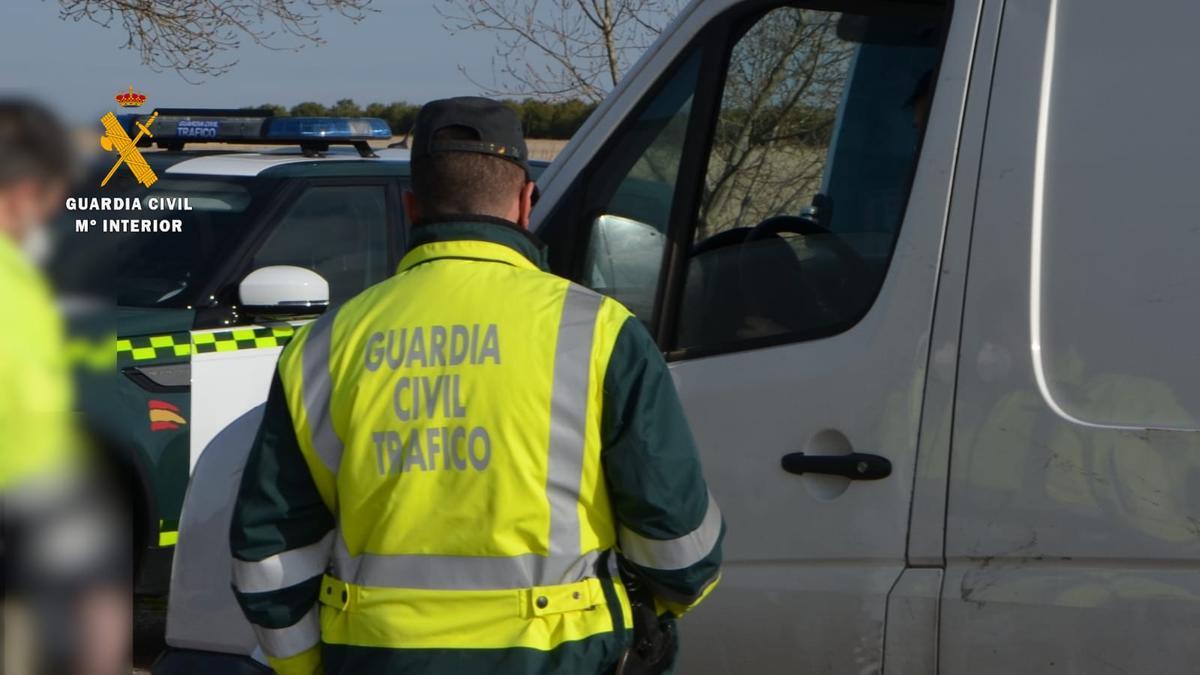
[33, 143]
[449, 184]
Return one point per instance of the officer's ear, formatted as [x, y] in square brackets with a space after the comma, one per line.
[526, 203]
[412, 208]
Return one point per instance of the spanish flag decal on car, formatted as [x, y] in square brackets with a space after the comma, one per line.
[164, 416]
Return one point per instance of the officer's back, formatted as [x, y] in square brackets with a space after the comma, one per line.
[449, 461]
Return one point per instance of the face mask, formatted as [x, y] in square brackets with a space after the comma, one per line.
[37, 245]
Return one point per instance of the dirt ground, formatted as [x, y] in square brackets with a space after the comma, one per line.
[544, 149]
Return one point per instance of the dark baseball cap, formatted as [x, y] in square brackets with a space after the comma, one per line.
[496, 126]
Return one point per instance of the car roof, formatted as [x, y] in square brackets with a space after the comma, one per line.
[291, 162]
[389, 161]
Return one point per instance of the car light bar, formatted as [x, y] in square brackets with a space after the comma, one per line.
[176, 127]
[328, 127]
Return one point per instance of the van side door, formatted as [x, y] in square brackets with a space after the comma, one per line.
[1073, 531]
[773, 207]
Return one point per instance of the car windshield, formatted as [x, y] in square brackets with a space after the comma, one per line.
[154, 269]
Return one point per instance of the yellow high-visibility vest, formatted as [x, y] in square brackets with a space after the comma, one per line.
[472, 510]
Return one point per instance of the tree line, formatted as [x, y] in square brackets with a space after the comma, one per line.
[541, 119]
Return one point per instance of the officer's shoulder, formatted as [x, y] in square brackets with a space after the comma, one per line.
[374, 292]
[611, 314]
[351, 307]
[611, 309]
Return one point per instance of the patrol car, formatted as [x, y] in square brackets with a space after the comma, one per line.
[925, 273]
[211, 270]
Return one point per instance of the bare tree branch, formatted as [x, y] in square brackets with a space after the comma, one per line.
[194, 37]
[559, 48]
[785, 79]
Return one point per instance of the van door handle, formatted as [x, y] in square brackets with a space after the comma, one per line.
[855, 466]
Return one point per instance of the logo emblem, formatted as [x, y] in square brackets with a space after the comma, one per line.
[115, 138]
[130, 99]
[164, 416]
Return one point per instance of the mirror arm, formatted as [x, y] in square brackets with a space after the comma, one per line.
[285, 311]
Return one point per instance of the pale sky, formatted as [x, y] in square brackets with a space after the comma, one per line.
[403, 52]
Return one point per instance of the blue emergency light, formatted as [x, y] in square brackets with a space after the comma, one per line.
[328, 127]
[176, 127]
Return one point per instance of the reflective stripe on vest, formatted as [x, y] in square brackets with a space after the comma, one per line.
[318, 391]
[283, 569]
[678, 553]
[449, 572]
[282, 643]
[568, 419]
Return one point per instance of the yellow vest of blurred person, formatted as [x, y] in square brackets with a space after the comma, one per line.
[35, 380]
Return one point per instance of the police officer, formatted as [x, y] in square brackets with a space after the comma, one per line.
[455, 467]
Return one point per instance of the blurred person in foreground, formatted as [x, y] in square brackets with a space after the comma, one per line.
[64, 570]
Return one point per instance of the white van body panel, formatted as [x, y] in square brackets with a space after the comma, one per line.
[926, 539]
[1073, 536]
[911, 622]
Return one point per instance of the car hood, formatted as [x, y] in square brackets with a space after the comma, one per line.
[138, 321]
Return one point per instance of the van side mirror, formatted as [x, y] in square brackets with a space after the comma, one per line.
[284, 289]
[623, 260]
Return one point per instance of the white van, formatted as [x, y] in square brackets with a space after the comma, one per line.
[950, 252]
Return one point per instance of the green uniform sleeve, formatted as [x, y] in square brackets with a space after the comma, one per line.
[281, 537]
[670, 529]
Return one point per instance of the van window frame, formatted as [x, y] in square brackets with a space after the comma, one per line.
[714, 43]
[669, 302]
[574, 208]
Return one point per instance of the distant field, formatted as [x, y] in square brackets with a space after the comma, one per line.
[544, 149]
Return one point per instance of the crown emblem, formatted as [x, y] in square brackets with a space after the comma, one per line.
[130, 99]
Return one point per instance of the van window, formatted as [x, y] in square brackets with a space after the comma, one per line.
[1118, 231]
[813, 152]
[631, 194]
[756, 194]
